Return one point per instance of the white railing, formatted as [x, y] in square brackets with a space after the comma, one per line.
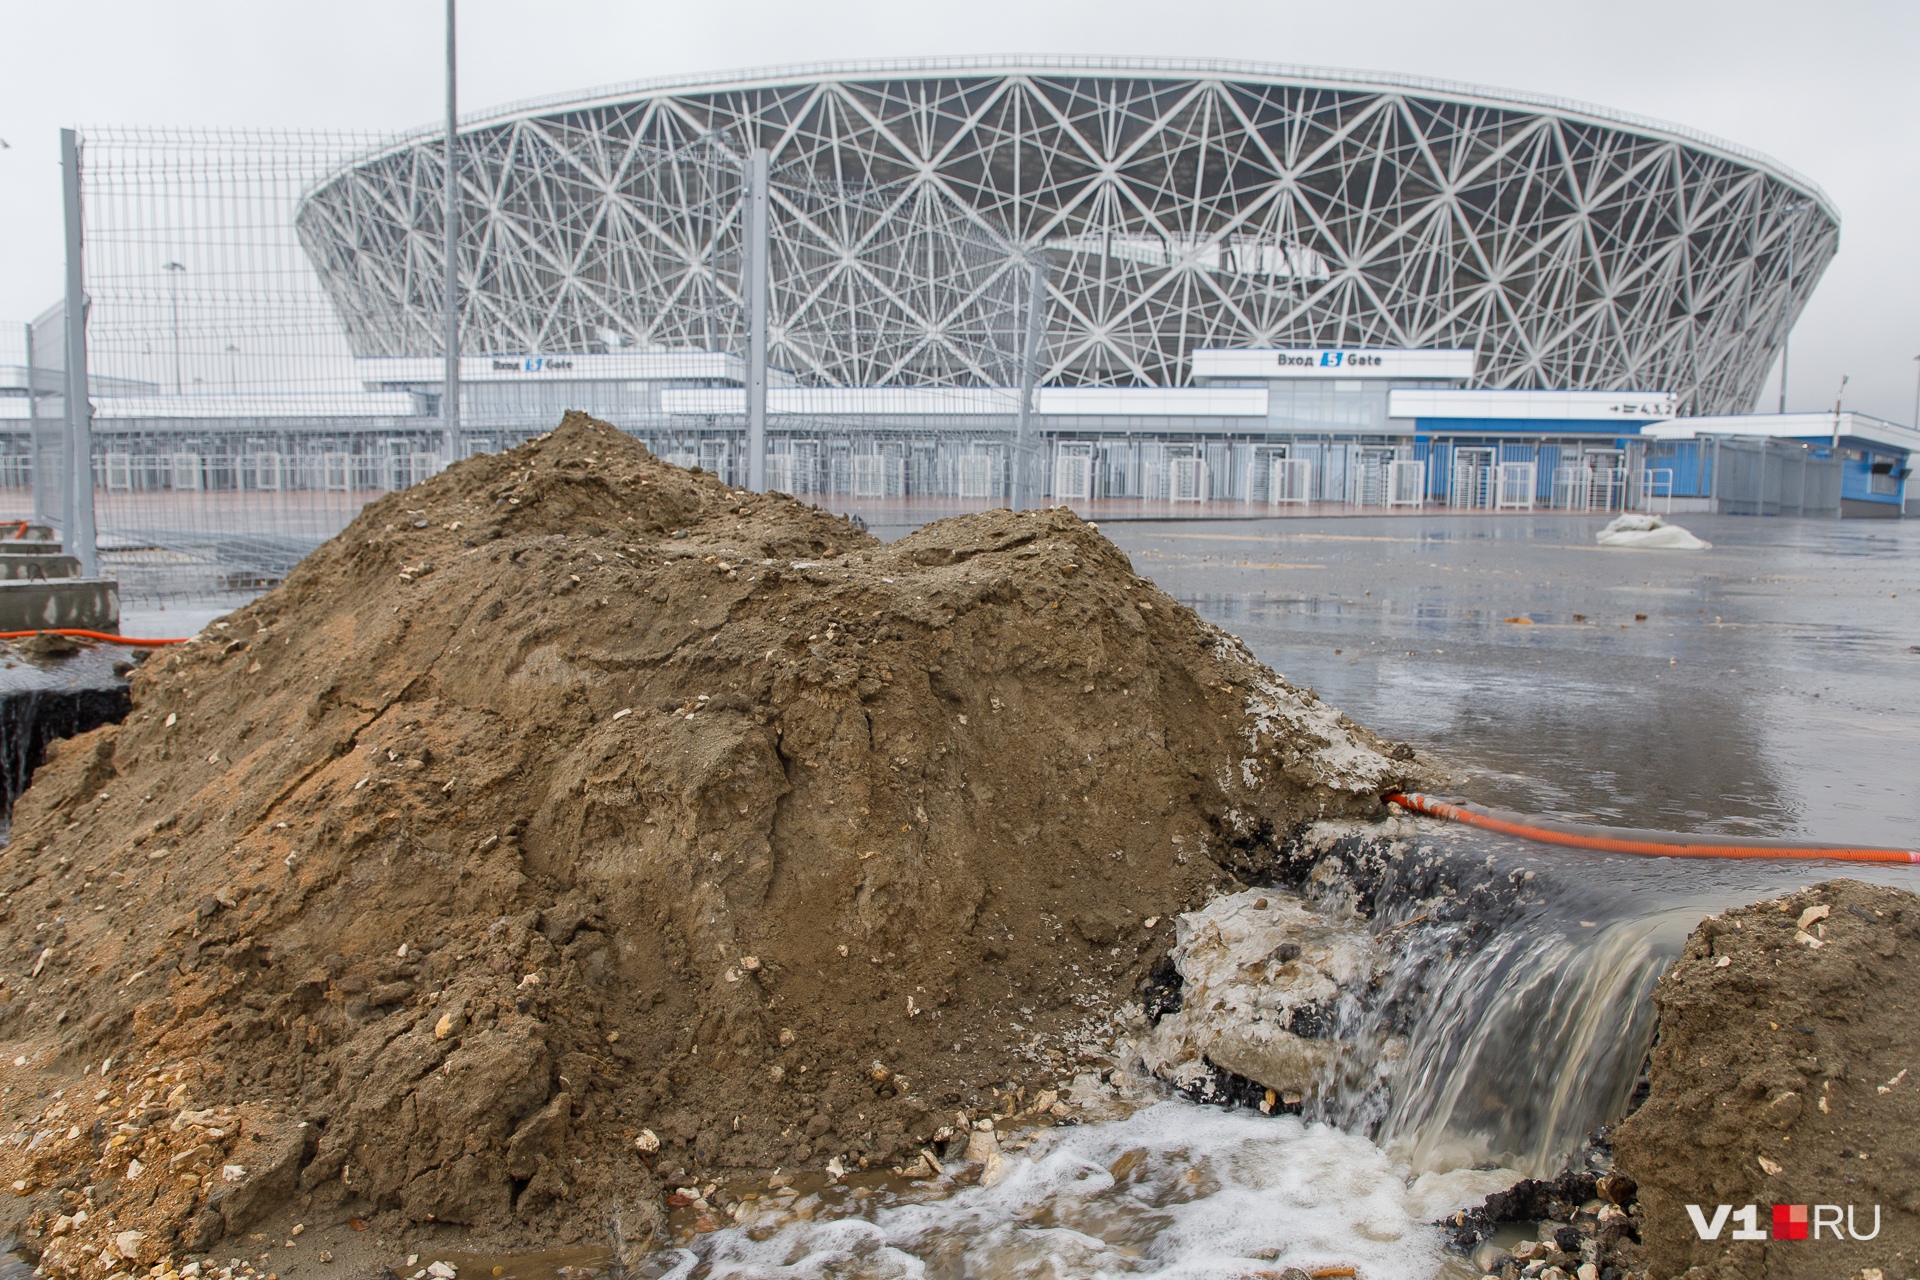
[1290, 480]
[1406, 483]
[780, 472]
[1514, 486]
[1073, 471]
[1573, 488]
[1188, 480]
[1656, 485]
[975, 477]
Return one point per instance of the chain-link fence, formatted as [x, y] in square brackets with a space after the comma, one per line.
[216, 368]
[263, 337]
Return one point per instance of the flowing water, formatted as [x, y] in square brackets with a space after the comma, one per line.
[1527, 1045]
[1175, 1189]
[1492, 1042]
[51, 698]
[1510, 1019]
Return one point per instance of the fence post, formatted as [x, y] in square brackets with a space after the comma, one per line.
[450, 286]
[33, 430]
[758, 258]
[79, 538]
[1025, 472]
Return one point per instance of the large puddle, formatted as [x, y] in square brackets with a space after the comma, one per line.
[1763, 687]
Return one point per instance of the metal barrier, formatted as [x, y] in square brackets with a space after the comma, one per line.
[1406, 483]
[1515, 486]
[1656, 485]
[1290, 481]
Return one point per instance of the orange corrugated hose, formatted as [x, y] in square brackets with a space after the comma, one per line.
[1656, 844]
[91, 635]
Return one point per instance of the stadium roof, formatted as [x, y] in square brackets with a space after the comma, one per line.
[1209, 68]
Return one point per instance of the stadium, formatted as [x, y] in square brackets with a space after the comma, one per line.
[1378, 237]
[1179, 206]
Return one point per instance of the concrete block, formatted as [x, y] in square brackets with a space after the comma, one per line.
[15, 568]
[89, 604]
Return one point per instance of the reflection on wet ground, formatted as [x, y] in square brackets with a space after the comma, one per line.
[1767, 690]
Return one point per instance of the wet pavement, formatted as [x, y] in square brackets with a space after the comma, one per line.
[1770, 688]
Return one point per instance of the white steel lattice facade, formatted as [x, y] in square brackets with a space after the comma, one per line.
[1179, 205]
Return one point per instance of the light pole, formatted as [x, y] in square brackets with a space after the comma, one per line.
[450, 264]
[1794, 211]
[757, 260]
[1916, 391]
[174, 271]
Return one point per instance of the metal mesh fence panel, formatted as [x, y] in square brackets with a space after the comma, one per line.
[251, 393]
[242, 415]
[231, 434]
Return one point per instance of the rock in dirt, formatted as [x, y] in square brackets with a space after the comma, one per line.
[1262, 975]
[1784, 1073]
[51, 644]
[577, 827]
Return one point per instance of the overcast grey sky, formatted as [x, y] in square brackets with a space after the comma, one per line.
[1831, 89]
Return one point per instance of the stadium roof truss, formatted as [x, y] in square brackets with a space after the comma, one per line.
[1176, 208]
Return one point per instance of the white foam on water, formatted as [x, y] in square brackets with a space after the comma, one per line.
[1174, 1190]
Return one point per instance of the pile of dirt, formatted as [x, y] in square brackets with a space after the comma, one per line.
[573, 827]
[1786, 1073]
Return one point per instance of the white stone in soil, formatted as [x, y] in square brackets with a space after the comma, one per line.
[1242, 982]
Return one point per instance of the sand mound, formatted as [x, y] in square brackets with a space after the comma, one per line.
[570, 805]
[1787, 1072]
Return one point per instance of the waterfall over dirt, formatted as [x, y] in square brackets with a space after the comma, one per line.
[573, 827]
